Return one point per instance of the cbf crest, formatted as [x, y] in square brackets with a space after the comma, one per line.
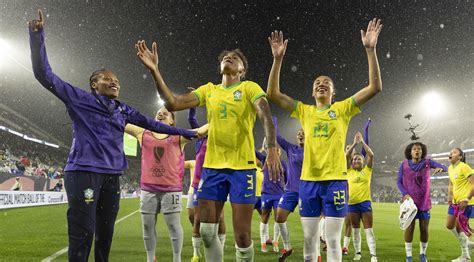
[238, 95]
[332, 114]
[89, 195]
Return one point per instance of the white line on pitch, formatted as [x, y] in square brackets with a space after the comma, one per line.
[64, 250]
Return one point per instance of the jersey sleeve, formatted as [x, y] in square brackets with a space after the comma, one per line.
[254, 91]
[349, 108]
[202, 92]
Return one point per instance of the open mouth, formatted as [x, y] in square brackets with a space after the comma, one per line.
[115, 88]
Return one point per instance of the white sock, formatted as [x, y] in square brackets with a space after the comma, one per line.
[322, 229]
[310, 232]
[369, 235]
[212, 246]
[222, 240]
[423, 247]
[149, 235]
[334, 227]
[318, 240]
[196, 246]
[276, 232]
[242, 254]
[285, 235]
[463, 239]
[347, 241]
[408, 249]
[175, 229]
[263, 232]
[357, 240]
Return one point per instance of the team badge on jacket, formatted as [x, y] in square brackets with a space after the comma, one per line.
[332, 114]
[89, 195]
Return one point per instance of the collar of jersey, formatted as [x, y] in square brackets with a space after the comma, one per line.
[230, 87]
[323, 109]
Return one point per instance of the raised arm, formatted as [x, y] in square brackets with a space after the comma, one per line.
[150, 59]
[138, 119]
[280, 140]
[41, 68]
[369, 40]
[370, 154]
[273, 88]
[357, 140]
[273, 160]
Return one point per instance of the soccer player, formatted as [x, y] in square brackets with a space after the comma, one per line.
[414, 182]
[201, 145]
[323, 183]
[359, 176]
[96, 159]
[161, 182]
[232, 107]
[190, 164]
[289, 200]
[258, 188]
[460, 193]
[271, 194]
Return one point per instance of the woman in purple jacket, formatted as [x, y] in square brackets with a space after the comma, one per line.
[96, 159]
[414, 182]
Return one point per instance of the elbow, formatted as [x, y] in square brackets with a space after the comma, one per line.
[170, 106]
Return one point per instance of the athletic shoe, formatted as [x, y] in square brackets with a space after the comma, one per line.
[275, 247]
[284, 254]
[264, 247]
[373, 259]
[195, 259]
[423, 258]
[154, 259]
[357, 256]
[269, 242]
[320, 259]
[345, 251]
[462, 259]
[409, 259]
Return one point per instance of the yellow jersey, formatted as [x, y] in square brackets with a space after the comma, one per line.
[325, 135]
[359, 185]
[231, 116]
[259, 182]
[459, 176]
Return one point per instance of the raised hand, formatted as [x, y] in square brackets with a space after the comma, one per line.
[148, 57]
[437, 170]
[369, 38]
[358, 138]
[36, 25]
[277, 44]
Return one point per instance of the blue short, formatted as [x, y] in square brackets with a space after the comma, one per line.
[423, 215]
[270, 201]
[258, 203]
[469, 211]
[330, 197]
[288, 201]
[217, 184]
[361, 207]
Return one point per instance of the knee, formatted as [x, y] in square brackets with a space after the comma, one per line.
[242, 239]
[208, 232]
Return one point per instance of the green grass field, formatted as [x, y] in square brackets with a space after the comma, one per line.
[32, 234]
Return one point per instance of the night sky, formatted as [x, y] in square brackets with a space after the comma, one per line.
[425, 47]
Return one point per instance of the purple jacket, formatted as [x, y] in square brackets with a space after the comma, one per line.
[98, 122]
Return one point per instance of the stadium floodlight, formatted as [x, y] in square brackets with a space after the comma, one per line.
[469, 150]
[432, 103]
[3, 128]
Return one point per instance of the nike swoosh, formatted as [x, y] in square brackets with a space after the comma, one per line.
[339, 208]
[248, 195]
